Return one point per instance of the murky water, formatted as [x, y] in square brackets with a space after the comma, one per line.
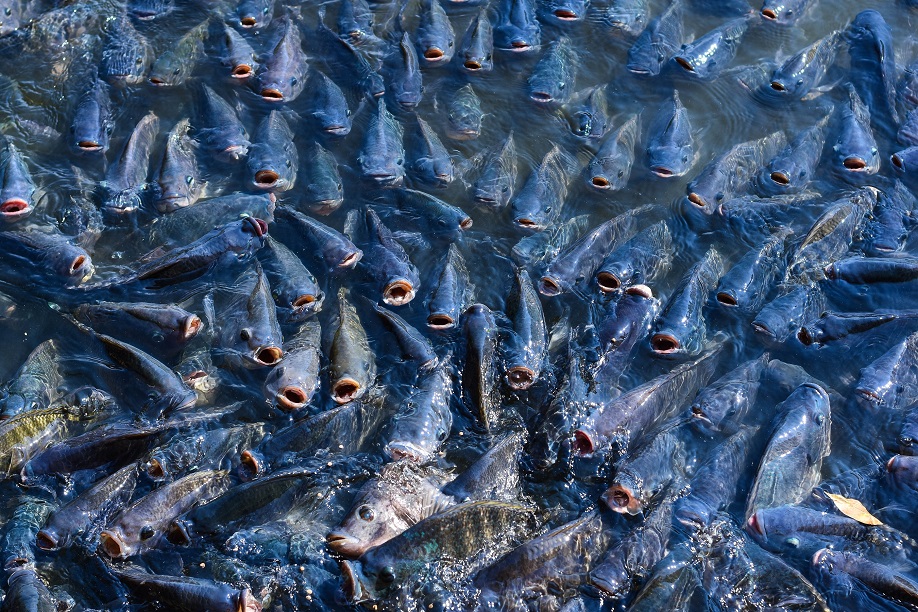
[279, 551]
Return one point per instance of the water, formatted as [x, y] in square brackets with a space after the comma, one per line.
[281, 555]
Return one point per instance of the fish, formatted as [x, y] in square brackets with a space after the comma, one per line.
[127, 55]
[435, 37]
[188, 593]
[463, 114]
[793, 458]
[784, 12]
[610, 168]
[424, 421]
[873, 67]
[404, 78]
[495, 183]
[792, 306]
[805, 70]
[432, 163]
[476, 49]
[238, 55]
[538, 203]
[273, 159]
[479, 375]
[17, 188]
[553, 77]
[528, 350]
[159, 327]
[385, 259]
[621, 326]
[292, 384]
[352, 365]
[889, 585]
[657, 43]
[516, 27]
[587, 113]
[626, 18]
[854, 150]
[36, 384]
[748, 283]
[382, 158]
[176, 65]
[125, 181]
[885, 383]
[92, 124]
[179, 178]
[794, 167]
[415, 347]
[218, 129]
[868, 270]
[724, 404]
[670, 146]
[247, 332]
[332, 248]
[328, 105]
[283, 72]
[295, 290]
[706, 56]
[641, 477]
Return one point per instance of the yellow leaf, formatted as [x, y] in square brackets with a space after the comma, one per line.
[852, 508]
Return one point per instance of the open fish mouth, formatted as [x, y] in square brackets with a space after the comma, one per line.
[519, 46]
[14, 208]
[527, 223]
[398, 293]
[621, 498]
[292, 397]
[351, 584]
[664, 344]
[868, 395]
[112, 544]
[472, 64]
[601, 182]
[440, 320]
[191, 326]
[727, 299]
[779, 178]
[520, 377]
[241, 71]
[260, 227]
[46, 540]
[684, 63]
[351, 259]
[699, 416]
[855, 164]
[268, 355]
[663, 171]
[584, 443]
[549, 286]
[304, 301]
[272, 95]
[541, 96]
[434, 54]
[344, 544]
[566, 15]
[405, 450]
[251, 464]
[697, 200]
[608, 282]
[346, 390]
[769, 14]
[89, 146]
[755, 524]
[266, 179]
[897, 161]
[337, 130]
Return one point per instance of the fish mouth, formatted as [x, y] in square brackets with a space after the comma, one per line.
[178, 534]
[662, 172]
[541, 96]
[769, 14]
[472, 65]
[234, 152]
[89, 146]
[157, 81]
[519, 46]
[697, 200]
[291, 397]
[466, 223]
[780, 178]
[337, 130]
[14, 563]
[155, 469]
[241, 71]
[601, 182]
[250, 464]
[346, 390]
[684, 63]
[566, 15]
[756, 525]
[893, 464]
[46, 540]
[112, 544]
[583, 443]
[778, 86]
[405, 450]
[191, 326]
[817, 557]
[549, 286]
[266, 179]
[664, 344]
[351, 259]
[248, 22]
[259, 226]
[528, 223]
[77, 264]
[351, 585]
[303, 301]
[14, 208]
[608, 282]
[699, 416]
[268, 355]
[620, 498]
[433, 54]
[440, 320]
[272, 95]
[520, 377]
[726, 299]
[763, 329]
[463, 134]
[897, 161]
[640, 290]
[398, 293]
[855, 164]
[344, 544]
[869, 395]
[805, 337]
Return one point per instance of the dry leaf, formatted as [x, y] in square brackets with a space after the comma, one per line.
[852, 508]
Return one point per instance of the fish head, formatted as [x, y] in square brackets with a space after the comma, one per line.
[905, 162]
[50, 538]
[372, 520]
[117, 544]
[612, 577]
[518, 37]
[903, 470]
[254, 14]
[626, 496]
[358, 587]
[693, 513]
[783, 12]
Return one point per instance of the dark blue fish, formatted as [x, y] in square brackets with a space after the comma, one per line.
[854, 151]
[516, 27]
[873, 67]
[477, 46]
[791, 170]
[670, 145]
[784, 12]
[436, 39]
[659, 41]
[610, 169]
[707, 56]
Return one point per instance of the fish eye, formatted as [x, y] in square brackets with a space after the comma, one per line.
[366, 513]
[399, 161]
[449, 44]
[147, 532]
[294, 81]
[189, 180]
[386, 577]
[819, 419]
[264, 11]
[348, 112]
[441, 435]
[793, 542]
[621, 173]
[560, 85]
[176, 71]
[245, 334]
[138, 61]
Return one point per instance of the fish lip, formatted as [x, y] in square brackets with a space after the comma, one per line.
[726, 299]
[304, 301]
[88, 146]
[112, 544]
[769, 14]
[260, 227]
[291, 397]
[779, 178]
[763, 329]
[566, 15]
[601, 182]
[584, 443]
[46, 540]
[346, 390]
[520, 377]
[519, 46]
[434, 54]
[466, 223]
[620, 498]
[684, 63]
[869, 395]
[266, 179]
[699, 416]
[440, 320]
[805, 337]
[472, 65]
[663, 172]
[14, 563]
[337, 130]
[241, 71]
[268, 355]
[271, 94]
[640, 290]
[462, 134]
[250, 464]
[664, 344]
[891, 465]
[755, 524]
[527, 223]
[608, 282]
[248, 21]
[542, 97]
[157, 82]
[78, 262]
[351, 585]
[550, 286]
[344, 544]
[897, 161]
[778, 86]
[855, 164]
[405, 450]
[697, 200]
[191, 326]
[178, 533]
[398, 293]
[155, 469]
[14, 208]
[351, 259]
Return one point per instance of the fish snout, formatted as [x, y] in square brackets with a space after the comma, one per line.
[292, 397]
[346, 390]
[344, 544]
